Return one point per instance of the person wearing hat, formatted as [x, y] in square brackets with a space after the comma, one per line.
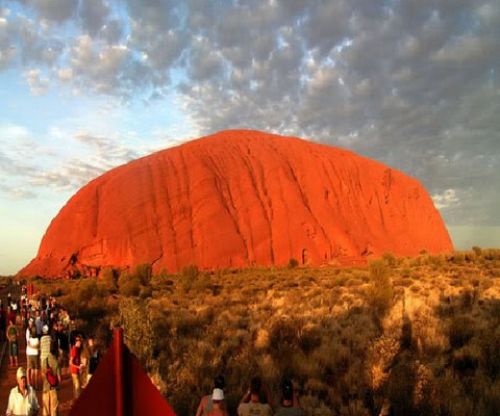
[218, 404]
[50, 400]
[206, 404]
[44, 344]
[22, 398]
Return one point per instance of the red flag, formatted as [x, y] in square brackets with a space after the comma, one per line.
[120, 387]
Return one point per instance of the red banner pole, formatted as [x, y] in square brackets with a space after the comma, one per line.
[118, 345]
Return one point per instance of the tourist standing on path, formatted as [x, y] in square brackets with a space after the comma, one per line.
[63, 343]
[205, 405]
[289, 404]
[218, 404]
[11, 315]
[49, 398]
[38, 323]
[12, 335]
[251, 404]
[22, 398]
[44, 344]
[94, 357]
[76, 366]
[32, 355]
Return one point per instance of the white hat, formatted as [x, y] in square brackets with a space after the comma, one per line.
[45, 329]
[218, 394]
[21, 372]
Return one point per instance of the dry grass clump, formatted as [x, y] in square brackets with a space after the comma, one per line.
[421, 334]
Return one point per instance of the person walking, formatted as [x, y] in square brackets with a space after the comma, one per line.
[289, 404]
[218, 408]
[251, 404]
[206, 404]
[63, 343]
[32, 355]
[94, 357]
[51, 374]
[22, 398]
[12, 334]
[76, 366]
[44, 344]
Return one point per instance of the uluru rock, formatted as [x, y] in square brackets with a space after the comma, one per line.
[240, 198]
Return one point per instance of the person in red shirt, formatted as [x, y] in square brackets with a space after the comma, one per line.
[76, 366]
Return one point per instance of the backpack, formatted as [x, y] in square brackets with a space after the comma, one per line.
[51, 377]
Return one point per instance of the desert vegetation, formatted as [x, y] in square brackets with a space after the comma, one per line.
[422, 334]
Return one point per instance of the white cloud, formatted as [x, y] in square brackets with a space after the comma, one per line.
[38, 85]
[446, 199]
[65, 74]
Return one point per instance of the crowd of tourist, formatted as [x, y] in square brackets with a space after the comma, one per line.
[54, 348]
[257, 401]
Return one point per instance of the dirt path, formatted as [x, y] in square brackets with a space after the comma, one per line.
[8, 375]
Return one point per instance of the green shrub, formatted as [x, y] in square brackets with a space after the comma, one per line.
[108, 277]
[461, 330]
[477, 251]
[135, 319]
[144, 272]
[129, 285]
[381, 293]
[190, 272]
[390, 259]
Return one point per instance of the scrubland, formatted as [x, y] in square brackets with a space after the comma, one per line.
[422, 334]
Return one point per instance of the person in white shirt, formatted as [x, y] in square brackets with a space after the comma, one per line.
[32, 355]
[22, 398]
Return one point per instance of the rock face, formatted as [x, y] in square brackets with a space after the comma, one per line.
[240, 198]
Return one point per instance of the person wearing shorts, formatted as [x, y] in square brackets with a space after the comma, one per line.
[32, 355]
[76, 366]
[11, 334]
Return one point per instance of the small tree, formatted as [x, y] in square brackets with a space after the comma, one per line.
[189, 275]
[293, 263]
[135, 318]
[129, 285]
[381, 293]
[144, 272]
[108, 277]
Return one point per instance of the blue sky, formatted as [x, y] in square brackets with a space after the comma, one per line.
[86, 85]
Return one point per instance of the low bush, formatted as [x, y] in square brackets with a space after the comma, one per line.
[293, 263]
[129, 285]
[461, 330]
[381, 293]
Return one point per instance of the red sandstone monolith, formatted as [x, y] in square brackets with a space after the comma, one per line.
[240, 198]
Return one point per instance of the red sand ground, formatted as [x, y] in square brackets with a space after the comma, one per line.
[236, 199]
